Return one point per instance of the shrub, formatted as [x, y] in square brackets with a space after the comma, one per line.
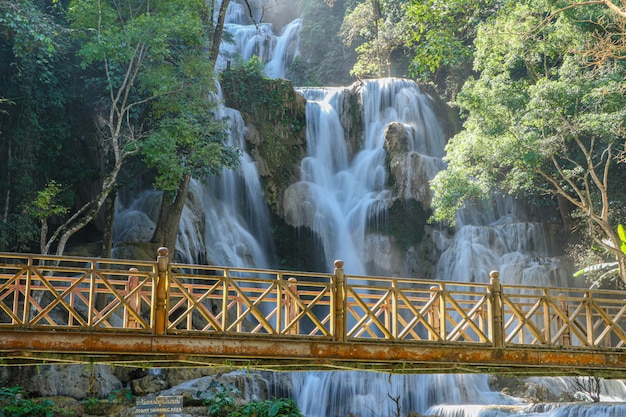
[14, 403]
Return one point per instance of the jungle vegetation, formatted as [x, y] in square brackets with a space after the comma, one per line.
[94, 94]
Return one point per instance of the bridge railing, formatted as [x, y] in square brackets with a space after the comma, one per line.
[240, 300]
[159, 297]
[564, 317]
[71, 292]
[406, 309]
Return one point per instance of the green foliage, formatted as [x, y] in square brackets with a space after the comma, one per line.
[535, 116]
[45, 204]
[327, 58]
[437, 35]
[220, 401]
[285, 407]
[604, 271]
[274, 101]
[15, 403]
[188, 143]
[254, 67]
[174, 78]
[121, 396]
[92, 403]
[156, 86]
[453, 189]
[278, 113]
[39, 115]
[545, 117]
[249, 90]
[377, 30]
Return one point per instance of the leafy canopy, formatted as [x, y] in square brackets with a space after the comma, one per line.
[535, 113]
[544, 117]
[163, 44]
[376, 30]
[40, 110]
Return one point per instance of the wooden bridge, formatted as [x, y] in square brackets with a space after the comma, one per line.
[161, 314]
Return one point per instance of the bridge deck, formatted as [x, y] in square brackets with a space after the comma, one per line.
[157, 314]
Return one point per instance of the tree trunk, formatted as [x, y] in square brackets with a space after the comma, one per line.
[107, 240]
[565, 209]
[621, 263]
[377, 17]
[166, 229]
[217, 33]
[7, 197]
[109, 219]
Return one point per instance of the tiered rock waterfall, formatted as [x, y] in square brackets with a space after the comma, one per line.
[348, 189]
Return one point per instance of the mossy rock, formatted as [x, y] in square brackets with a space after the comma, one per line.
[275, 115]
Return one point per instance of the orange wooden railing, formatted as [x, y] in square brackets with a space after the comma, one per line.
[162, 298]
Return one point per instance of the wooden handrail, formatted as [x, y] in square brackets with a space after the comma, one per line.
[48, 292]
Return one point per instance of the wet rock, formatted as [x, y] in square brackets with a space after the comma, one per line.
[76, 381]
[148, 385]
[409, 172]
[178, 376]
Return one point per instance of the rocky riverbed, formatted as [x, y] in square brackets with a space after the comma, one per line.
[101, 390]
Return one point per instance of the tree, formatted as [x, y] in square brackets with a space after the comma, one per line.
[377, 29]
[321, 46]
[187, 142]
[38, 120]
[542, 119]
[152, 81]
[441, 38]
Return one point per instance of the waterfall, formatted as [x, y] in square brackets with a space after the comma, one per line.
[341, 189]
[534, 410]
[325, 394]
[497, 236]
[342, 193]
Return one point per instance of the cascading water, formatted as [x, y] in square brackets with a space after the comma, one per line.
[324, 394]
[215, 225]
[342, 192]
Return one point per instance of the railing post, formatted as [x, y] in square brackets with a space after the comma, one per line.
[339, 289]
[589, 320]
[27, 295]
[292, 306]
[133, 282]
[394, 309]
[161, 288]
[433, 314]
[497, 311]
[566, 336]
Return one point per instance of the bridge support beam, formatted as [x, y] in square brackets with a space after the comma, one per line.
[20, 347]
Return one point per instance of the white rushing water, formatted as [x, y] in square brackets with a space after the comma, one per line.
[342, 188]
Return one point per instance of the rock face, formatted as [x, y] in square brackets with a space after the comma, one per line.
[76, 381]
[297, 205]
[275, 117]
[390, 246]
[408, 171]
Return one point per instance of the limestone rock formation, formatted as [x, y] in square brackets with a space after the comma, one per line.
[76, 381]
[409, 171]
